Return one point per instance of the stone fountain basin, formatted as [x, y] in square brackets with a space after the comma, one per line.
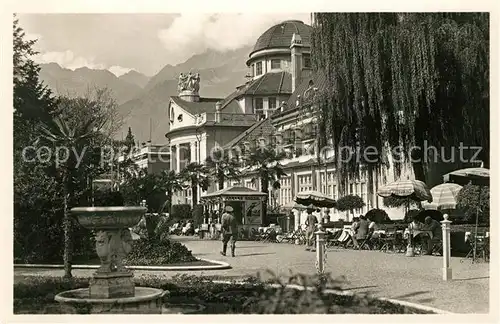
[108, 217]
[145, 301]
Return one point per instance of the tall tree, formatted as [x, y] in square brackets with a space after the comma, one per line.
[129, 141]
[36, 193]
[264, 161]
[196, 175]
[72, 134]
[402, 79]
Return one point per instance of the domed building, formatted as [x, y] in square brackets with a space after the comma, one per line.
[277, 102]
[277, 63]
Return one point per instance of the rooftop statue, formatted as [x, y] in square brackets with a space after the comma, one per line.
[189, 82]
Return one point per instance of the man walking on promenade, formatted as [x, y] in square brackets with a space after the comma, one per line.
[229, 230]
[310, 227]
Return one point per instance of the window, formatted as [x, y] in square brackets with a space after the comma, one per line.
[173, 157]
[259, 107]
[307, 61]
[184, 155]
[172, 115]
[275, 64]
[272, 103]
[258, 68]
[304, 182]
[285, 191]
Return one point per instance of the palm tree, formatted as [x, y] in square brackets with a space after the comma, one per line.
[222, 167]
[195, 175]
[170, 182]
[71, 136]
[265, 162]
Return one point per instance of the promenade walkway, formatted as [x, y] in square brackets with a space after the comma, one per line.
[417, 279]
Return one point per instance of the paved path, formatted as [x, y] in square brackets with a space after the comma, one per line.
[417, 279]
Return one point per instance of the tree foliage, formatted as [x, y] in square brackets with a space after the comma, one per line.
[129, 141]
[400, 79]
[196, 175]
[44, 189]
[350, 203]
[468, 202]
[155, 188]
[223, 167]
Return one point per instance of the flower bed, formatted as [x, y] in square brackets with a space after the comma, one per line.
[252, 296]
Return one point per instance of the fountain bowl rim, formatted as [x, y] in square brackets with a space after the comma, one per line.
[154, 293]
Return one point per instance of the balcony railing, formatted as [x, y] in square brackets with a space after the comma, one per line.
[226, 118]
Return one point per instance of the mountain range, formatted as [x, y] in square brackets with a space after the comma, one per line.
[143, 101]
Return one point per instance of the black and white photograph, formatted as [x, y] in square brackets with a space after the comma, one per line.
[226, 163]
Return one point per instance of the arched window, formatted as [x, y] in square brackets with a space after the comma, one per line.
[172, 115]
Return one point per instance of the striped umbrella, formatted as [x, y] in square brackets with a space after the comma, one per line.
[475, 176]
[444, 196]
[413, 189]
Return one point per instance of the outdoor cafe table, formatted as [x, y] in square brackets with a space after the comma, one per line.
[417, 232]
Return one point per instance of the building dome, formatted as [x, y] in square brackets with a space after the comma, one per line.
[280, 35]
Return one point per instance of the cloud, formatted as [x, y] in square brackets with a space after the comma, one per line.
[32, 36]
[194, 33]
[67, 59]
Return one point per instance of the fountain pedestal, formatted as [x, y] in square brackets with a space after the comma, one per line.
[112, 279]
[112, 285]
[111, 288]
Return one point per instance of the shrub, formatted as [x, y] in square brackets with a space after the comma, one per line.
[378, 216]
[250, 296]
[148, 251]
[350, 202]
[181, 211]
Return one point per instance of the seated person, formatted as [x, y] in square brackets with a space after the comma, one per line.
[415, 225]
[354, 225]
[362, 231]
[372, 227]
[437, 234]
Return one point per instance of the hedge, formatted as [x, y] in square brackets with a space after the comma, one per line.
[252, 296]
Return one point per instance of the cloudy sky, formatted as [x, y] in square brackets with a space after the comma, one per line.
[143, 42]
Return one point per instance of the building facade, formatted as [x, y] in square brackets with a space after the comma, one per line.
[276, 103]
[150, 157]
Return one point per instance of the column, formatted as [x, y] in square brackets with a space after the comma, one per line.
[320, 250]
[296, 220]
[178, 158]
[447, 272]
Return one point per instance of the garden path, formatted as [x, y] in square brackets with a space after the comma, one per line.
[417, 279]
